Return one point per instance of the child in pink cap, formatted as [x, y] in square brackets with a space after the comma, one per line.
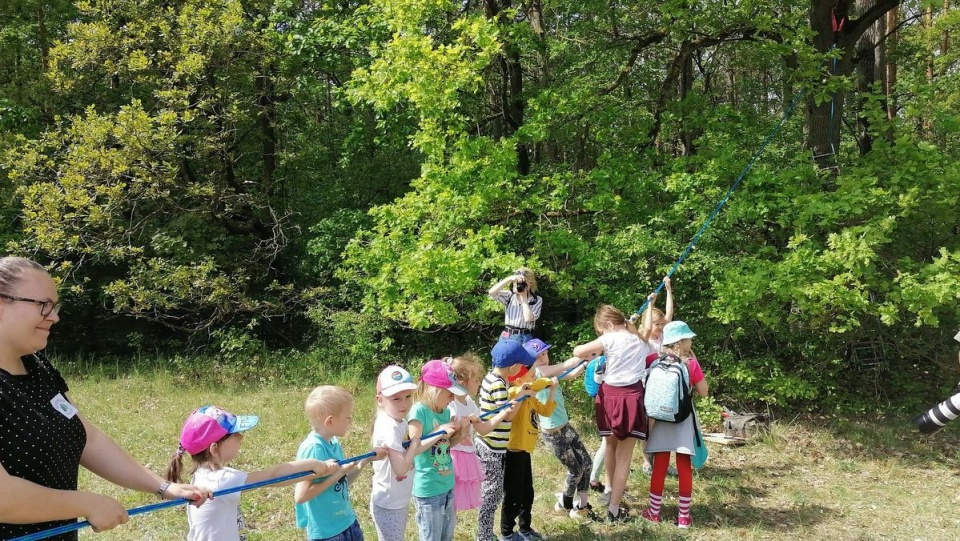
[212, 437]
[433, 480]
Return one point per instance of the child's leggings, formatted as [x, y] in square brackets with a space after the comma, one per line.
[491, 490]
[567, 446]
[596, 473]
[661, 461]
[391, 524]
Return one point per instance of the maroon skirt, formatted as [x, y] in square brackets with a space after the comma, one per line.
[620, 413]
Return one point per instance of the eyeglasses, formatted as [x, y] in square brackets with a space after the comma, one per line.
[46, 307]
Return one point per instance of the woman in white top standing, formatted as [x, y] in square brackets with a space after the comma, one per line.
[621, 419]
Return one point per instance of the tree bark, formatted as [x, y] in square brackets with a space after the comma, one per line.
[824, 119]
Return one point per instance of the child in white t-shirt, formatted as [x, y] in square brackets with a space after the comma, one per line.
[212, 437]
[393, 477]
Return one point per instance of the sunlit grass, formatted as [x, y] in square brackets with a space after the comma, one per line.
[808, 479]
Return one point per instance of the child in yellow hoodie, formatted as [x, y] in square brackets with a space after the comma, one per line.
[518, 501]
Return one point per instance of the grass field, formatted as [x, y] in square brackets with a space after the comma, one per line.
[822, 478]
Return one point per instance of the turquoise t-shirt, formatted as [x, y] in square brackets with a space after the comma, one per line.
[329, 513]
[434, 468]
[559, 417]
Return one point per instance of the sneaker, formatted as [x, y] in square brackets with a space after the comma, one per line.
[622, 516]
[531, 535]
[650, 516]
[583, 513]
[597, 487]
[684, 521]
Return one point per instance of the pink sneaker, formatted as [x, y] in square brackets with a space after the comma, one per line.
[684, 521]
[652, 517]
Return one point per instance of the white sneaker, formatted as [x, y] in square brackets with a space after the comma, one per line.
[558, 507]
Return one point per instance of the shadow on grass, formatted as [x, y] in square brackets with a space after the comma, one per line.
[888, 438]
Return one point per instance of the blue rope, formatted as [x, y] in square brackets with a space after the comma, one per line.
[726, 197]
[66, 528]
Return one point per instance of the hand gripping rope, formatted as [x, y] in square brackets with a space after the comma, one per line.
[181, 501]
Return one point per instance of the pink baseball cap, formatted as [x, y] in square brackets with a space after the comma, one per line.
[394, 379]
[439, 374]
[208, 424]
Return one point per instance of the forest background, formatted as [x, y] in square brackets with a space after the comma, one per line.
[255, 187]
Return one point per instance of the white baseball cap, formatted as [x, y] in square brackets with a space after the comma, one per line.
[394, 379]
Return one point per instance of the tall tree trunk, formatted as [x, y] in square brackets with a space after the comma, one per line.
[510, 102]
[869, 70]
[824, 120]
[43, 40]
[890, 77]
[687, 127]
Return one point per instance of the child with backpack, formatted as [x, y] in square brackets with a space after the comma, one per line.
[667, 399]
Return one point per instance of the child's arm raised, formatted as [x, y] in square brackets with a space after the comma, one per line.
[319, 469]
[668, 309]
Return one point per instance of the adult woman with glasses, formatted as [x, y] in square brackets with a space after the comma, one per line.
[44, 439]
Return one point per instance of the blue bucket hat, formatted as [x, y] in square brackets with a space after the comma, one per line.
[676, 331]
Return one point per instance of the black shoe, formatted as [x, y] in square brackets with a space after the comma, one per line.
[598, 487]
[622, 516]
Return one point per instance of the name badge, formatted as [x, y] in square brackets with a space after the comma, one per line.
[64, 406]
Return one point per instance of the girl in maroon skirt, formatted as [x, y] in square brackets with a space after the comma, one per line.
[621, 419]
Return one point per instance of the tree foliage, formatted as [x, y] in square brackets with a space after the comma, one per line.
[369, 169]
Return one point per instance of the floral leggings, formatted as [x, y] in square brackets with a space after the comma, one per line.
[491, 491]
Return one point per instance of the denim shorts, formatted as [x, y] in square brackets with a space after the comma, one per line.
[353, 533]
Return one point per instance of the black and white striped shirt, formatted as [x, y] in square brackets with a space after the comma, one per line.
[513, 317]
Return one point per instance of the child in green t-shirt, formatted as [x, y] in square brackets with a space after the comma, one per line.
[433, 479]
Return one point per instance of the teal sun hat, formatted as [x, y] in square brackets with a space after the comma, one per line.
[676, 331]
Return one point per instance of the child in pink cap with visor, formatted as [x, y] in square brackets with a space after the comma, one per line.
[212, 437]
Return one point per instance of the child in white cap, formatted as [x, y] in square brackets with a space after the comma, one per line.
[393, 477]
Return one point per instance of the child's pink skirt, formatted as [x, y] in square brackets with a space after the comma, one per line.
[469, 476]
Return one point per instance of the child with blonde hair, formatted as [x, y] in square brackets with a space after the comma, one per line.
[618, 405]
[433, 480]
[652, 331]
[468, 472]
[393, 478]
[323, 505]
[212, 437]
[677, 438]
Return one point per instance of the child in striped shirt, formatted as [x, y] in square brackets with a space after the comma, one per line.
[509, 357]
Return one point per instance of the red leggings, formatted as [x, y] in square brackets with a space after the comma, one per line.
[661, 461]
